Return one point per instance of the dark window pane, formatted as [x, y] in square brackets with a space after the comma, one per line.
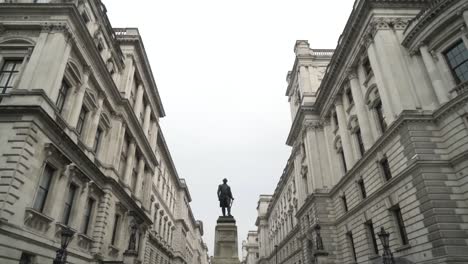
[343, 160]
[81, 120]
[69, 203]
[362, 187]
[457, 58]
[373, 239]
[345, 203]
[26, 259]
[360, 143]
[380, 117]
[115, 228]
[386, 169]
[349, 95]
[401, 226]
[8, 74]
[88, 214]
[97, 139]
[351, 244]
[62, 95]
[43, 189]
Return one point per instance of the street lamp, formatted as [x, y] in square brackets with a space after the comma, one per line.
[66, 237]
[276, 253]
[387, 255]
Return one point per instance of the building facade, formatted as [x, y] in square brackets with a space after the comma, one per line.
[250, 252]
[379, 140]
[81, 143]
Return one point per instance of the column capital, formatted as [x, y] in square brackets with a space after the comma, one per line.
[351, 73]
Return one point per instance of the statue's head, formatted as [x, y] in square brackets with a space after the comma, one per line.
[224, 180]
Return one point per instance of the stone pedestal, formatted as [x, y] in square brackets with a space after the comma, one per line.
[225, 248]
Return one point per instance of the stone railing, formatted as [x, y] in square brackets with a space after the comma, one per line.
[459, 89]
[322, 52]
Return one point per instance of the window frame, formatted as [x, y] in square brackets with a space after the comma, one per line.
[116, 226]
[448, 61]
[385, 170]
[98, 139]
[400, 225]
[62, 95]
[49, 186]
[88, 216]
[350, 237]
[18, 65]
[362, 188]
[82, 120]
[69, 203]
[360, 142]
[378, 110]
[372, 237]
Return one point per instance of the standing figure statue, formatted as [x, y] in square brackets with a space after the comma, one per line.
[225, 197]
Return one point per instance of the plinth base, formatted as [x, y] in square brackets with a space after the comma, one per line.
[225, 249]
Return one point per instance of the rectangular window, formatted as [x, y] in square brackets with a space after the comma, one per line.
[349, 96]
[88, 215]
[362, 188]
[385, 168]
[345, 202]
[367, 67]
[343, 160]
[351, 244]
[401, 225]
[134, 179]
[81, 120]
[457, 58]
[115, 228]
[97, 140]
[362, 150]
[69, 204]
[64, 88]
[26, 258]
[372, 238]
[8, 74]
[335, 119]
[44, 187]
[380, 117]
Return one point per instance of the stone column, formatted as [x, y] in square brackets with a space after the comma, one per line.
[138, 101]
[330, 148]
[313, 155]
[102, 220]
[344, 133]
[114, 142]
[129, 166]
[78, 102]
[127, 79]
[80, 206]
[154, 135]
[140, 174]
[147, 120]
[434, 75]
[361, 111]
[385, 96]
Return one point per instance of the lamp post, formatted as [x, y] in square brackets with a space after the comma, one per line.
[66, 237]
[387, 255]
[276, 253]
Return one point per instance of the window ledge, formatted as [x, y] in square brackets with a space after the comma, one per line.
[84, 241]
[404, 247]
[37, 220]
[374, 256]
[59, 227]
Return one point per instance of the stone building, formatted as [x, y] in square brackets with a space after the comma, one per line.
[250, 248]
[81, 142]
[379, 140]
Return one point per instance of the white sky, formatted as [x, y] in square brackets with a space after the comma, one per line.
[220, 67]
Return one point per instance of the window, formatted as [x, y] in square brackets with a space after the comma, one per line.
[69, 203]
[88, 215]
[362, 188]
[123, 156]
[362, 150]
[349, 96]
[351, 244]
[367, 67]
[457, 58]
[8, 74]
[345, 203]
[26, 258]
[304, 182]
[400, 225]
[134, 179]
[372, 238]
[62, 95]
[385, 168]
[115, 228]
[44, 187]
[335, 119]
[343, 160]
[85, 17]
[380, 116]
[97, 139]
[81, 120]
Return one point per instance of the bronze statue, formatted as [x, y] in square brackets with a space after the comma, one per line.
[225, 197]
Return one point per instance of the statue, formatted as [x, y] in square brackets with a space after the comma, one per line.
[225, 197]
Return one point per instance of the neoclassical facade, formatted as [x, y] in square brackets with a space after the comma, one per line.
[379, 140]
[81, 143]
[250, 248]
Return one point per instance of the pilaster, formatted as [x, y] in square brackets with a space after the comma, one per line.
[129, 166]
[344, 133]
[435, 76]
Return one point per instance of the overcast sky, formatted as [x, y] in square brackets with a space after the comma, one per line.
[220, 67]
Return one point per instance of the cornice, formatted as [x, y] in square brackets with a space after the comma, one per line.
[424, 18]
[297, 124]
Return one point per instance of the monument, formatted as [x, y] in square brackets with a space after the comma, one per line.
[225, 248]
